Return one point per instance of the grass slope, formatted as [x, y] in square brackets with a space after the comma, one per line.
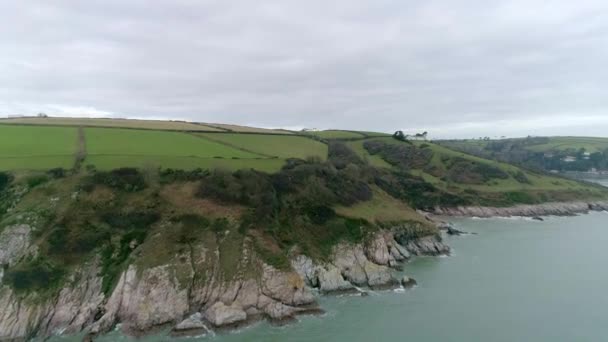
[337, 134]
[113, 148]
[281, 146]
[36, 147]
[512, 180]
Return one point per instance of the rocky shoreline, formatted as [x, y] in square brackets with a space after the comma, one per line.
[531, 210]
[147, 299]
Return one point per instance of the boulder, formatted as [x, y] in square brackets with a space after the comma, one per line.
[408, 282]
[194, 322]
[331, 280]
[220, 314]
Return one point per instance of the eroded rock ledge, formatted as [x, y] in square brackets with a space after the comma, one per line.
[146, 299]
[535, 210]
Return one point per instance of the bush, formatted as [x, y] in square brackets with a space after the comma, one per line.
[36, 275]
[124, 179]
[172, 175]
[5, 180]
[190, 227]
[56, 173]
[130, 220]
[34, 181]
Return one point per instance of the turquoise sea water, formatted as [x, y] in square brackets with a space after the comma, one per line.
[516, 280]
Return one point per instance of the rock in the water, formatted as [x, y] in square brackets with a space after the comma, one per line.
[538, 218]
[428, 245]
[194, 322]
[408, 282]
[331, 280]
[220, 314]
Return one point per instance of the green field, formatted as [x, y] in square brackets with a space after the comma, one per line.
[113, 148]
[336, 134]
[281, 146]
[185, 163]
[590, 145]
[36, 148]
[123, 142]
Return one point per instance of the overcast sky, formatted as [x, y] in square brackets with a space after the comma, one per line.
[455, 68]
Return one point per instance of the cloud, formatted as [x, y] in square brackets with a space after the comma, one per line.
[470, 68]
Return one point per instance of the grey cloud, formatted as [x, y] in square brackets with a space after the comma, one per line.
[472, 65]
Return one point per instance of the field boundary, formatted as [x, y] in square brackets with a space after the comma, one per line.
[81, 149]
[233, 146]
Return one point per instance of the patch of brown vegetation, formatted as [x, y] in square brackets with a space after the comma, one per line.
[182, 197]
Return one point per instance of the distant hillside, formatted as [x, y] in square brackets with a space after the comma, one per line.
[541, 153]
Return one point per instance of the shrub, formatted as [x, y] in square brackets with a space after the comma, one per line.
[34, 181]
[36, 275]
[124, 179]
[5, 180]
[172, 175]
[521, 177]
[130, 220]
[56, 173]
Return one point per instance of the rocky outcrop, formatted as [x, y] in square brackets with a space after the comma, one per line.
[369, 264]
[14, 243]
[73, 310]
[220, 314]
[193, 325]
[535, 210]
[428, 245]
[191, 294]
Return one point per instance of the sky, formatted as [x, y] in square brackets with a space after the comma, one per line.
[456, 69]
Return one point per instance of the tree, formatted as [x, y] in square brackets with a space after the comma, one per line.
[399, 136]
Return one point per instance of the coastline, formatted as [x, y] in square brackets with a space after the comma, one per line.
[524, 210]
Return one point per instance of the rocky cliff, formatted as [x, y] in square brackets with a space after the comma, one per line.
[190, 295]
[532, 210]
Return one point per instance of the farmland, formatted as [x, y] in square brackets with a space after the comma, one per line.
[138, 144]
[34, 147]
[272, 145]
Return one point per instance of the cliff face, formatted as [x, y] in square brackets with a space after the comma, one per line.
[545, 209]
[189, 294]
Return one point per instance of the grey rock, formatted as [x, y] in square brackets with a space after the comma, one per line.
[14, 243]
[194, 322]
[331, 280]
[220, 314]
[408, 282]
[428, 245]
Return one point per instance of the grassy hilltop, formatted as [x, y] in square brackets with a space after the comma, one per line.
[143, 195]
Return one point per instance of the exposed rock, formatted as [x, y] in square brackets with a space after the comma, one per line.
[143, 302]
[194, 322]
[538, 218]
[532, 210]
[190, 326]
[331, 280]
[428, 245]
[220, 314]
[408, 282]
[14, 243]
[144, 299]
[306, 268]
[285, 287]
